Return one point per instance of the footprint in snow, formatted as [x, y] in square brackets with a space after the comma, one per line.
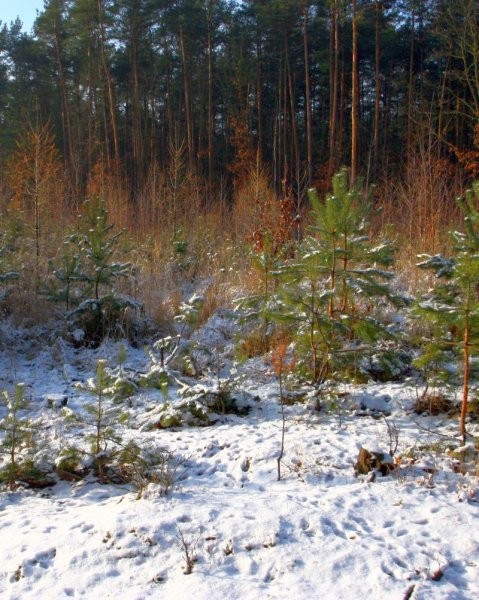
[400, 563]
[425, 534]
[388, 524]
[49, 529]
[304, 523]
[360, 524]
[270, 575]
[41, 560]
[214, 514]
[184, 519]
[330, 526]
[253, 568]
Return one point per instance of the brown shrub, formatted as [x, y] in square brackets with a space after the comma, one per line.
[434, 403]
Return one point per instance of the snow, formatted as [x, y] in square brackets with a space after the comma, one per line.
[320, 532]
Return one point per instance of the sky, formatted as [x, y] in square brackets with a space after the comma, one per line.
[25, 9]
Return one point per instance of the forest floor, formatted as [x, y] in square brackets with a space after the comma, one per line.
[321, 532]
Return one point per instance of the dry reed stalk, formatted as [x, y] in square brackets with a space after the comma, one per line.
[421, 207]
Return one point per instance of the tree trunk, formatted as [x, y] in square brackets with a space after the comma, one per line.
[377, 88]
[466, 366]
[410, 99]
[137, 140]
[209, 126]
[108, 83]
[66, 119]
[333, 87]
[188, 101]
[354, 97]
[259, 97]
[294, 132]
[307, 99]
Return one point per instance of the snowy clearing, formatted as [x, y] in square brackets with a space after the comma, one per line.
[320, 532]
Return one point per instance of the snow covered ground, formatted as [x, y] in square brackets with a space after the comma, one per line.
[319, 533]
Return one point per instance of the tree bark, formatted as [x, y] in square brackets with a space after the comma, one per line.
[333, 86]
[354, 96]
[307, 99]
[188, 101]
[377, 87]
[294, 132]
[108, 83]
[209, 125]
[410, 87]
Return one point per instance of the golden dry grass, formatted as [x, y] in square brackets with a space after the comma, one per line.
[178, 236]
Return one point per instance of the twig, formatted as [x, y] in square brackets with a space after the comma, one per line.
[188, 549]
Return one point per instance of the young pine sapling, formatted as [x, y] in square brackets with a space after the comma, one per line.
[282, 365]
[329, 290]
[18, 435]
[101, 417]
[99, 246]
[452, 307]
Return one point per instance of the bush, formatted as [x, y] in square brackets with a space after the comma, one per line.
[434, 403]
[330, 292]
[19, 439]
[109, 316]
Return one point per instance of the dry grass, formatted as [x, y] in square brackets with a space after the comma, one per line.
[215, 239]
[434, 403]
[255, 206]
[421, 207]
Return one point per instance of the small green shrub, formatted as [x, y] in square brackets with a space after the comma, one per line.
[452, 306]
[102, 418]
[69, 464]
[110, 316]
[141, 466]
[169, 420]
[19, 438]
[329, 293]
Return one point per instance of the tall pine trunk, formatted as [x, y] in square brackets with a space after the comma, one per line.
[333, 87]
[109, 84]
[377, 87]
[307, 99]
[354, 97]
[188, 101]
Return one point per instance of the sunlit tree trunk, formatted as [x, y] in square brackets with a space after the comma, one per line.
[333, 87]
[377, 86]
[108, 83]
[188, 101]
[410, 100]
[293, 127]
[210, 123]
[354, 96]
[307, 98]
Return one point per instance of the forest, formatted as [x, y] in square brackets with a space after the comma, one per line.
[298, 87]
[239, 309]
[188, 114]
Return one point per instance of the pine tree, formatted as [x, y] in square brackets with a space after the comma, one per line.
[339, 275]
[101, 417]
[95, 267]
[453, 305]
[17, 436]
[99, 246]
[70, 278]
[5, 275]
